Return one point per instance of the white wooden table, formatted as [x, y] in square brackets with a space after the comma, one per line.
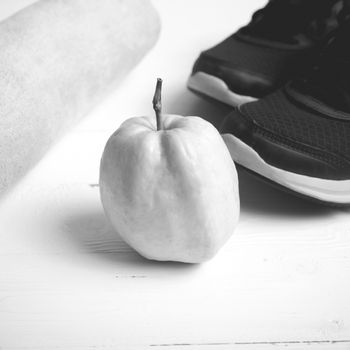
[67, 281]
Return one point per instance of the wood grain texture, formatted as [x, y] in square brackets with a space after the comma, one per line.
[67, 280]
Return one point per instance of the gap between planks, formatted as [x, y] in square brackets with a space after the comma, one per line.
[283, 343]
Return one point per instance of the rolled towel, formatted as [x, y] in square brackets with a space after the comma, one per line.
[57, 59]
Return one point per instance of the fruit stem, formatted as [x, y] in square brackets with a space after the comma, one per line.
[157, 103]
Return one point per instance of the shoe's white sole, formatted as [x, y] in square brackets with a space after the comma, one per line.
[331, 191]
[214, 87]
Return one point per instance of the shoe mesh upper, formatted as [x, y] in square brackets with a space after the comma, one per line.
[278, 114]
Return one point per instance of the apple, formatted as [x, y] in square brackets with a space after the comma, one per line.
[169, 187]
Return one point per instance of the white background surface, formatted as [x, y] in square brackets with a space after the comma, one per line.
[67, 281]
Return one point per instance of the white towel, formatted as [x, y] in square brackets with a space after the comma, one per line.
[57, 59]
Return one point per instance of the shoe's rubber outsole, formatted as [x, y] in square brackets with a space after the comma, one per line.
[216, 88]
[331, 192]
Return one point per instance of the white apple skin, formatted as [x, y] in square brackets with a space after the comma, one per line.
[171, 194]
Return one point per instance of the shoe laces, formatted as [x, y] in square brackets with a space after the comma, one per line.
[328, 81]
[283, 20]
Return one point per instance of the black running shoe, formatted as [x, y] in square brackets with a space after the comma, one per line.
[282, 39]
[299, 136]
